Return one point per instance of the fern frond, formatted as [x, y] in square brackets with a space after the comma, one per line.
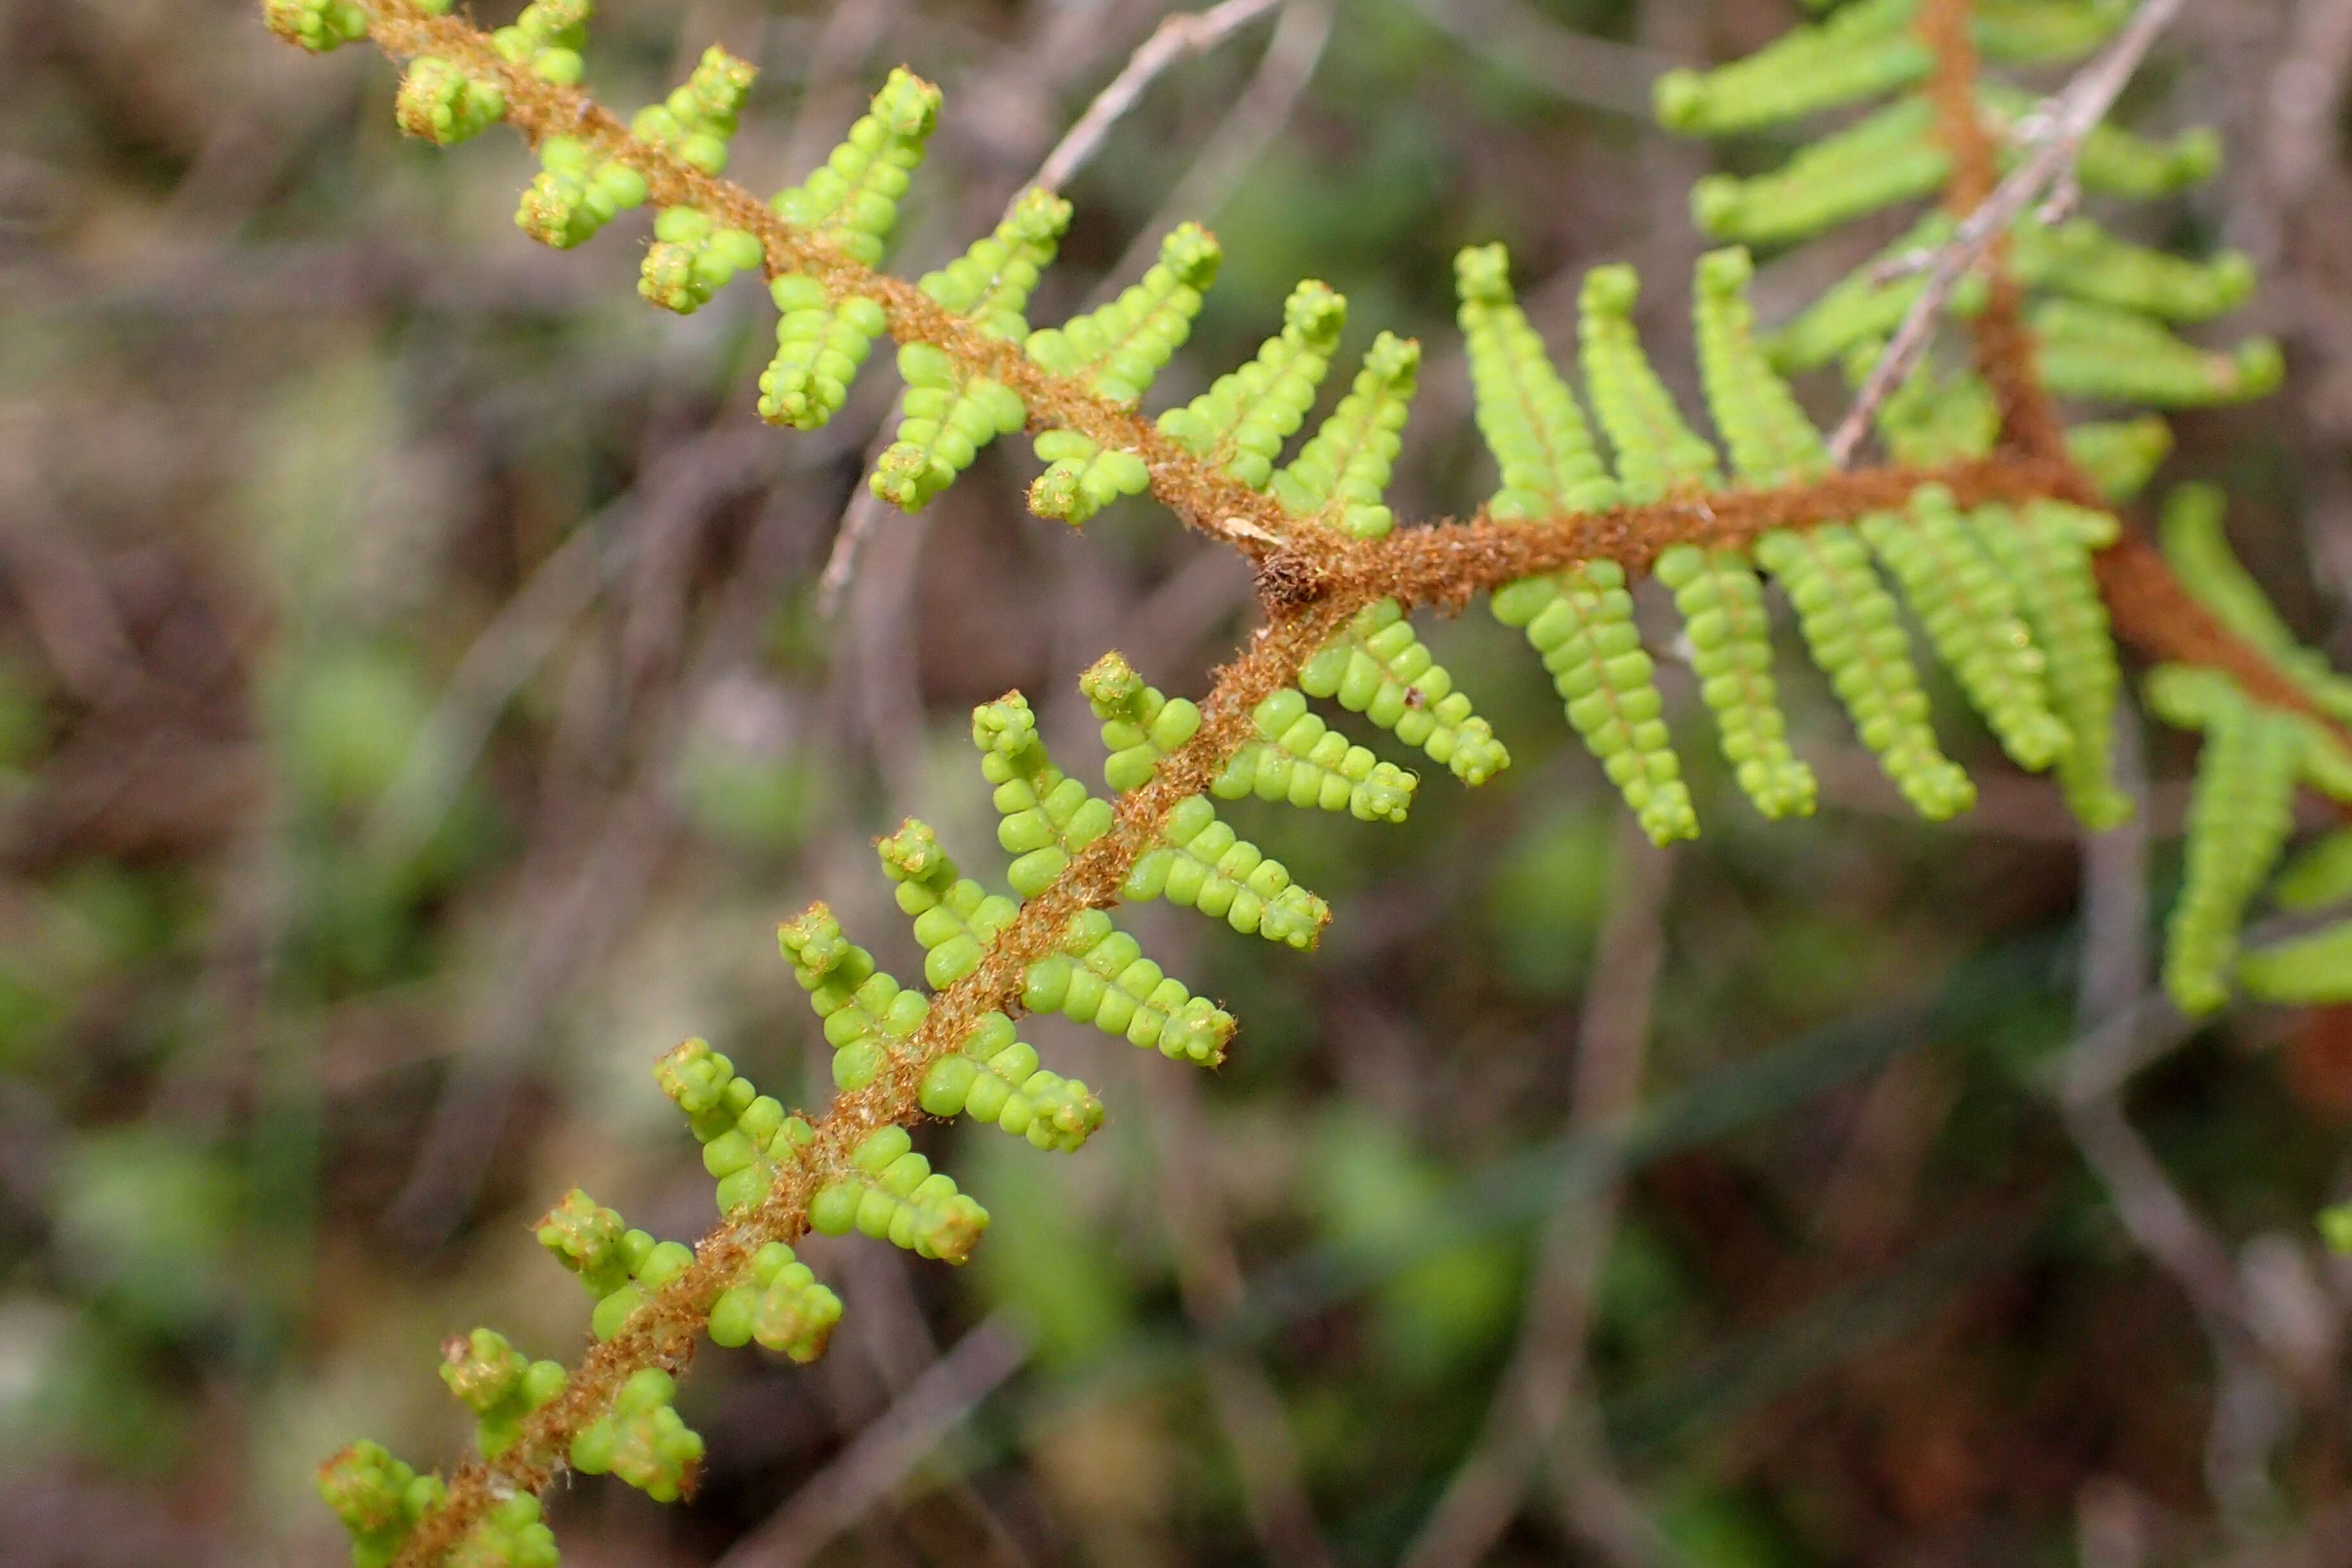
[1241, 421]
[1524, 411]
[1656, 453]
[1378, 667]
[1931, 419]
[2091, 350]
[1862, 50]
[2314, 970]
[1099, 975]
[1117, 351]
[1200, 862]
[694, 255]
[2082, 261]
[498, 1383]
[1300, 759]
[868, 1017]
[741, 1130]
[619, 1266]
[2032, 32]
[949, 412]
[2044, 550]
[1852, 628]
[320, 25]
[641, 1439]
[2008, 595]
[1848, 618]
[1889, 157]
[577, 192]
[1722, 605]
[2239, 814]
[1101, 978]
[996, 1076]
[1970, 615]
[2321, 875]
[891, 1193]
[2199, 552]
[2114, 162]
[2120, 455]
[1865, 306]
[443, 104]
[780, 1303]
[1581, 620]
[1345, 466]
[1770, 439]
[850, 201]
[380, 1500]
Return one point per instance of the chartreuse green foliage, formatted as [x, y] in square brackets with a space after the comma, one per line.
[1198, 861]
[2120, 455]
[378, 1498]
[2320, 876]
[693, 256]
[782, 1305]
[1970, 614]
[948, 414]
[2198, 549]
[641, 1439]
[615, 1264]
[1300, 759]
[1582, 620]
[1849, 619]
[2117, 355]
[2254, 757]
[1863, 51]
[1716, 590]
[850, 200]
[498, 1383]
[744, 1134]
[2045, 548]
[316, 25]
[1117, 351]
[1241, 421]
[1377, 665]
[2103, 320]
[997, 1078]
[381, 1499]
[1344, 467]
[1099, 976]
[2238, 818]
[2077, 261]
[1657, 453]
[2106, 306]
[891, 1193]
[546, 38]
[443, 105]
[2309, 969]
[2007, 595]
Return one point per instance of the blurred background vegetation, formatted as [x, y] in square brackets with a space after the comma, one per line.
[415, 714]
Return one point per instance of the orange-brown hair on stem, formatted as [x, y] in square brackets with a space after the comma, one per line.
[1311, 579]
[2003, 343]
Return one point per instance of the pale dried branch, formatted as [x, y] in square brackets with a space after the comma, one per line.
[1187, 33]
[2051, 143]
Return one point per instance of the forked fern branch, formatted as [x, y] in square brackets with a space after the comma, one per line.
[1559, 544]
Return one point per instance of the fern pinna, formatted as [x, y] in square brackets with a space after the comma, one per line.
[1991, 523]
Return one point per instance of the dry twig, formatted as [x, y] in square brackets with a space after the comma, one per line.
[2052, 141]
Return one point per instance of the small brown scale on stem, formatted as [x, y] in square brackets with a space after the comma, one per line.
[1310, 580]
